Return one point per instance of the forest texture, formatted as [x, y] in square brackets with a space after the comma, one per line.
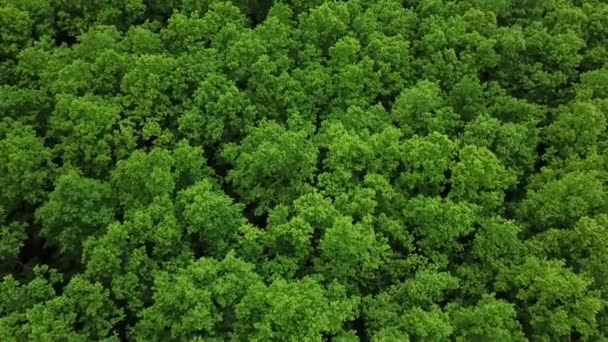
[363, 170]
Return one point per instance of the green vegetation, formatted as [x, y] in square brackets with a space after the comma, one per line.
[374, 170]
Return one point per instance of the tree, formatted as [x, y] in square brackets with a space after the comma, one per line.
[350, 253]
[575, 131]
[293, 310]
[285, 247]
[27, 106]
[84, 311]
[77, 208]
[126, 257]
[553, 300]
[409, 309]
[84, 128]
[141, 40]
[346, 157]
[355, 79]
[210, 217]
[467, 98]
[439, 225]
[272, 165]
[388, 17]
[583, 247]
[16, 31]
[427, 161]
[137, 180]
[560, 202]
[497, 243]
[17, 298]
[151, 86]
[287, 244]
[13, 236]
[219, 109]
[421, 110]
[323, 26]
[479, 178]
[189, 165]
[491, 318]
[514, 144]
[24, 167]
[204, 295]
[495, 248]
[220, 23]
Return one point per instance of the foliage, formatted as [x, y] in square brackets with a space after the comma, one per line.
[303, 170]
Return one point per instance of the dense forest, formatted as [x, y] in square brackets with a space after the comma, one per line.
[303, 170]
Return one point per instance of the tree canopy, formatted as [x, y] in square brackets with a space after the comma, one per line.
[303, 170]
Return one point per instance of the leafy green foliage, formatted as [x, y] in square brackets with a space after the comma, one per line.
[199, 300]
[85, 131]
[210, 218]
[489, 319]
[24, 167]
[272, 165]
[297, 310]
[350, 253]
[303, 170]
[143, 177]
[83, 311]
[77, 208]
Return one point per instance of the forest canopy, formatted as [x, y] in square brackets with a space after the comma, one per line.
[361, 170]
